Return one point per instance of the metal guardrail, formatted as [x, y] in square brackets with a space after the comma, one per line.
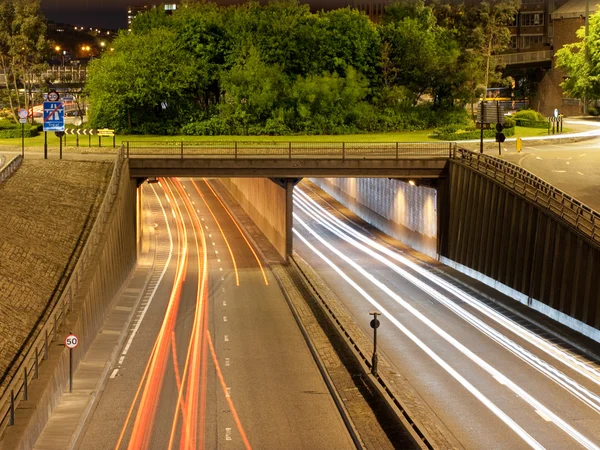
[10, 167]
[287, 150]
[17, 389]
[524, 57]
[576, 214]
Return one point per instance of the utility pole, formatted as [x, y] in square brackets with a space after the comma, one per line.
[587, 56]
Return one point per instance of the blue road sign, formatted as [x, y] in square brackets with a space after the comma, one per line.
[54, 116]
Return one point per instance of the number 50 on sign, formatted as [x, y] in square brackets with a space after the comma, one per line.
[71, 341]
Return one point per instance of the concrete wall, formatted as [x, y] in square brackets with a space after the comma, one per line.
[406, 212]
[110, 259]
[265, 202]
[549, 94]
[493, 234]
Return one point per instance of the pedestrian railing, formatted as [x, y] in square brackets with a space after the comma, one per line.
[573, 212]
[16, 388]
[287, 150]
[10, 168]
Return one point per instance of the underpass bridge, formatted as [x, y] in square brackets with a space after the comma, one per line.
[495, 221]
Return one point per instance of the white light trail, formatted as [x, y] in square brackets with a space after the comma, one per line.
[452, 341]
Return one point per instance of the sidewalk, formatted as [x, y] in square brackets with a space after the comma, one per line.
[68, 420]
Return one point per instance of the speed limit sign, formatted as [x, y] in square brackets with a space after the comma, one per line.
[71, 341]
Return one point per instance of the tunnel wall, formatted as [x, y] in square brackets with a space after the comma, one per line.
[265, 203]
[492, 233]
[405, 212]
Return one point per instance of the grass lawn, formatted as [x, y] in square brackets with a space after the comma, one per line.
[408, 136]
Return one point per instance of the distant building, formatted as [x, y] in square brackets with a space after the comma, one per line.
[133, 11]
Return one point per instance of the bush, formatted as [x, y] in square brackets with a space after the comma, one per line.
[593, 111]
[529, 115]
[509, 122]
[11, 130]
[211, 127]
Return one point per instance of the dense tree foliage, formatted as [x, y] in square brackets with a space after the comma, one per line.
[583, 76]
[23, 49]
[250, 69]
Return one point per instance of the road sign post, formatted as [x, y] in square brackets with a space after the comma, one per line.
[374, 324]
[22, 119]
[71, 341]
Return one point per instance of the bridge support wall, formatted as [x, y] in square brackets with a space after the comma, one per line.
[405, 212]
[494, 234]
[268, 205]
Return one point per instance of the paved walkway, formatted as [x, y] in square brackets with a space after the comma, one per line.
[68, 420]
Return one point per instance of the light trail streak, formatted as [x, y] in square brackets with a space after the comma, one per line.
[237, 277]
[241, 232]
[586, 396]
[563, 357]
[142, 428]
[192, 436]
[134, 331]
[496, 374]
[458, 377]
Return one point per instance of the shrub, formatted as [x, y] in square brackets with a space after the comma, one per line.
[509, 122]
[529, 115]
[593, 111]
[211, 127]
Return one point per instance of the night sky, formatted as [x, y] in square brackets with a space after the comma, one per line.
[92, 13]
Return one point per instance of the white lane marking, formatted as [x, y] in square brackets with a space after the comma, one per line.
[538, 158]
[228, 392]
[226, 362]
[227, 434]
[121, 359]
[223, 279]
[218, 260]
[216, 252]
[224, 318]
[579, 173]
[559, 171]
[221, 269]
[543, 416]
[224, 302]
[226, 338]
[145, 310]
[114, 373]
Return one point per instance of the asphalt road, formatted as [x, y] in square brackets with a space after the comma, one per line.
[215, 359]
[494, 381]
[573, 168]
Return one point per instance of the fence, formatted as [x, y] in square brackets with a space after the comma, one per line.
[576, 214]
[10, 168]
[28, 369]
[287, 150]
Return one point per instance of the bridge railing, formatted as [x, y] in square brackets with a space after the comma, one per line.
[286, 150]
[10, 167]
[579, 216]
[16, 389]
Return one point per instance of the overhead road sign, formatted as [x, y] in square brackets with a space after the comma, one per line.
[54, 116]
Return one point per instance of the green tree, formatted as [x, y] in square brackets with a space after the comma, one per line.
[145, 85]
[253, 90]
[583, 76]
[23, 49]
[421, 55]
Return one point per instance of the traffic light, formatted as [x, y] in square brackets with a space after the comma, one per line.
[499, 134]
